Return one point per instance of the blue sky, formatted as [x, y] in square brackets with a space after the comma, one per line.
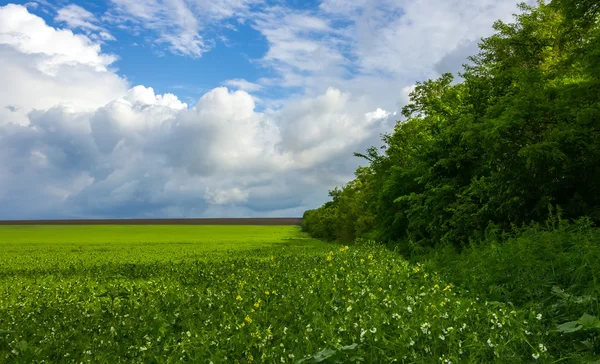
[170, 108]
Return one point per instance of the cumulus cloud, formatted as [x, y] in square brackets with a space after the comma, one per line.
[77, 140]
[116, 150]
[46, 67]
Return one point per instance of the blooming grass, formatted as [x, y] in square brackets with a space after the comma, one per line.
[277, 298]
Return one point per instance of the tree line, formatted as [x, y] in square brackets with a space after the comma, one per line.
[491, 150]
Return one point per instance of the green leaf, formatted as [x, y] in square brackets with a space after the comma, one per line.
[589, 322]
[568, 327]
[583, 345]
[323, 355]
[349, 347]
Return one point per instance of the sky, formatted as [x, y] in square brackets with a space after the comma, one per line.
[210, 108]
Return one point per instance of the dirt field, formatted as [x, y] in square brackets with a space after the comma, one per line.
[207, 221]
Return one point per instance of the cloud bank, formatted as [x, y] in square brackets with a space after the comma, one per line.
[78, 140]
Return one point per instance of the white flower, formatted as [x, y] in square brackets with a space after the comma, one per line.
[539, 316]
[442, 337]
[535, 355]
[409, 309]
[489, 342]
[543, 348]
[411, 343]
[373, 330]
[349, 308]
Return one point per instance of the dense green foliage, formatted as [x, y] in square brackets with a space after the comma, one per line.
[494, 181]
[554, 270]
[209, 296]
[519, 132]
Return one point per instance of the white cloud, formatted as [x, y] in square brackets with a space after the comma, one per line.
[77, 140]
[29, 34]
[46, 67]
[76, 17]
[178, 23]
[242, 84]
[109, 151]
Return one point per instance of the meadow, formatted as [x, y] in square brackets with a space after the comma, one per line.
[238, 294]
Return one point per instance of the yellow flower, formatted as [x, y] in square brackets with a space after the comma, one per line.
[362, 260]
[267, 293]
[447, 288]
[344, 248]
[436, 287]
[248, 320]
[238, 298]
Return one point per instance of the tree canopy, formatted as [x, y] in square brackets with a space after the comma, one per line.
[517, 132]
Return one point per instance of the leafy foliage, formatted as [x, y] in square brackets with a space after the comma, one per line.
[520, 131]
[278, 298]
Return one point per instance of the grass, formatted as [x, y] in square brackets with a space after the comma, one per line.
[553, 270]
[238, 294]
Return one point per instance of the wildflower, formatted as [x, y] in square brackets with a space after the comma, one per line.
[535, 355]
[189, 334]
[238, 298]
[373, 330]
[284, 331]
[539, 316]
[442, 337]
[543, 349]
[409, 309]
[425, 328]
[248, 320]
[411, 343]
[267, 293]
[349, 308]
[489, 342]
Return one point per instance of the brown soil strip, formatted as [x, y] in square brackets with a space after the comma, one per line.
[207, 221]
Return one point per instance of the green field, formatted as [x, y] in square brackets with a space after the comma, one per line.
[237, 294]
